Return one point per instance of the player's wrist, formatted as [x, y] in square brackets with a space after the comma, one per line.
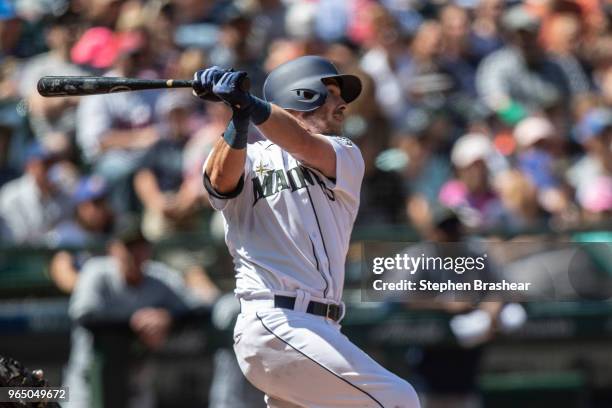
[237, 130]
[259, 110]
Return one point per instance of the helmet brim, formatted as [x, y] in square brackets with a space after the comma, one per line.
[350, 86]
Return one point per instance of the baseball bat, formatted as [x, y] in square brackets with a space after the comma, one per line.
[96, 85]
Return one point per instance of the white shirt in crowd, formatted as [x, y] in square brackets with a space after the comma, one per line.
[27, 215]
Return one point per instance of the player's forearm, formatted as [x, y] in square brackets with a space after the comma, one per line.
[225, 167]
[98, 319]
[127, 139]
[121, 139]
[288, 133]
[49, 108]
[187, 197]
[63, 271]
[148, 190]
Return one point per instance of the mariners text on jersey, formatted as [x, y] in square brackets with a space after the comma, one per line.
[269, 182]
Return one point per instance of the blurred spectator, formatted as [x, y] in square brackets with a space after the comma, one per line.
[268, 24]
[331, 20]
[96, 48]
[35, 202]
[381, 60]
[7, 170]
[383, 194]
[457, 56]
[423, 76]
[600, 57]
[596, 199]
[427, 167]
[521, 75]
[281, 51]
[189, 61]
[8, 79]
[127, 293]
[471, 193]
[232, 47]
[102, 13]
[114, 131]
[171, 204]
[564, 39]
[519, 197]
[13, 132]
[53, 117]
[197, 11]
[200, 144]
[161, 27]
[485, 36]
[537, 142]
[90, 226]
[594, 133]
[300, 21]
[235, 47]
[93, 219]
[12, 34]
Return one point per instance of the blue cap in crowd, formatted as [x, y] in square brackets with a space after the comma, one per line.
[7, 11]
[593, 124]
[90, 188]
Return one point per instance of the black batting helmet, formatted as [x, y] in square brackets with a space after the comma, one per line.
[298, 84]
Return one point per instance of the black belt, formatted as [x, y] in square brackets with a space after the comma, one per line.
[329, 311]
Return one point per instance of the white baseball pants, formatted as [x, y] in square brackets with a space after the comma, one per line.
[300, 360]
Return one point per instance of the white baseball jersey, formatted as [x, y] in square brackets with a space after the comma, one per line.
[289, 227]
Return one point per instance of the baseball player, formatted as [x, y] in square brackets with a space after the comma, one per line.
[289, 203]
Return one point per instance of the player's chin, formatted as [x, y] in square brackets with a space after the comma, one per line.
[335, 125]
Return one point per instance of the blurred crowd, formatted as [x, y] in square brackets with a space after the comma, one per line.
[500, 110]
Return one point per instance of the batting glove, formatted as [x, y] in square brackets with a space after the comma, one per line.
[203, 82]
[229, 89]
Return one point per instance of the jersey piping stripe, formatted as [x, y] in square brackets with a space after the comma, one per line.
[314, 252]
[322, 241]
[316, 362]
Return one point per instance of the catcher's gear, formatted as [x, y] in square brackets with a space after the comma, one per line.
[298, 84]
[14, 374]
